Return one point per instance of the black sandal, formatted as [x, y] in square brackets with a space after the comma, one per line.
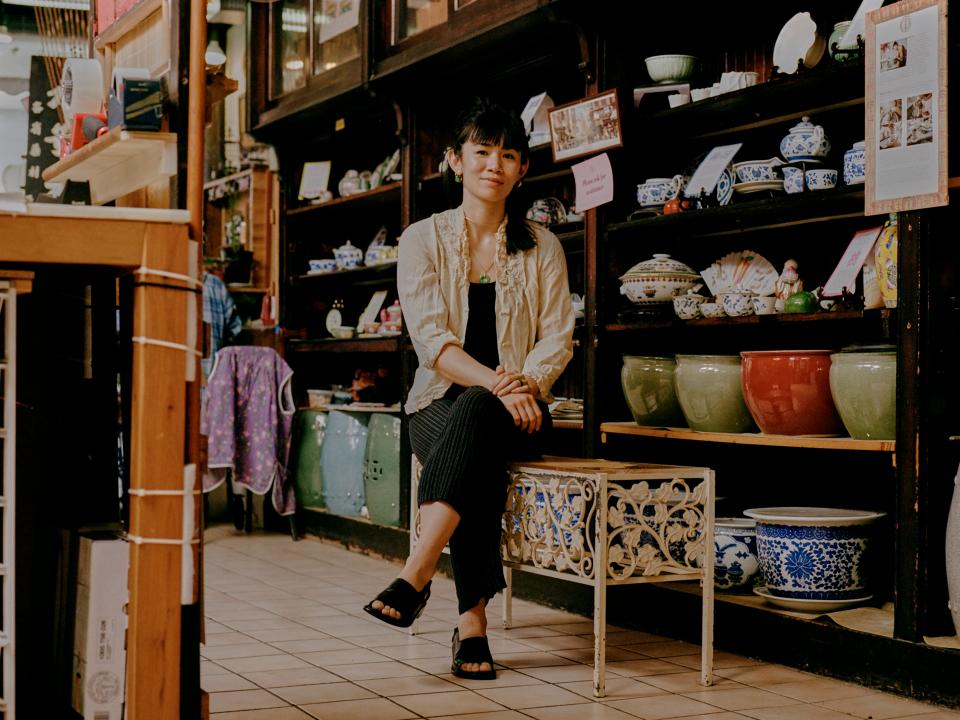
[402, 597]
[472, 650]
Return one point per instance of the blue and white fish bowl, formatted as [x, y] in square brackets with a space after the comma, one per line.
[809, 553]
[735, 553]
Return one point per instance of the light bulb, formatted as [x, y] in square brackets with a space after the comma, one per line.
[214, 54]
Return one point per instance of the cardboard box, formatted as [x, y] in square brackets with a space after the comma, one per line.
[99, 645]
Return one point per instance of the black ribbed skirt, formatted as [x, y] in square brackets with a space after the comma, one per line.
[464, 445]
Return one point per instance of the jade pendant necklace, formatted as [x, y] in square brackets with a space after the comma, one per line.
[484, 277]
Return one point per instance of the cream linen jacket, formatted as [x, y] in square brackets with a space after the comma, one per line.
[534, 312]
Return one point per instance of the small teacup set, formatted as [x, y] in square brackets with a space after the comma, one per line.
[796, 179]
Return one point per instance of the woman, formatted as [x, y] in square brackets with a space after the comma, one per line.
[486, 300]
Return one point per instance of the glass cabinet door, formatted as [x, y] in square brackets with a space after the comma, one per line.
[336, 32]
[415, 16]
[291, 54]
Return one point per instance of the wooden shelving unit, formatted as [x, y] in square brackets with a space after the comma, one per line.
[117, 163]
[352, 275]
[370, 345]
[378, 196]
[127, 22]
[667, 320]
[791, 441]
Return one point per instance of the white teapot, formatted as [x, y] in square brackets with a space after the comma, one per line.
[805, 141]
[347, 256]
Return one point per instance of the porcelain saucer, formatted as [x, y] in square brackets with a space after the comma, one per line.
[809, 606]
[758, 185]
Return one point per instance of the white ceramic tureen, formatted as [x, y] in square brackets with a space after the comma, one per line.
[657, 280]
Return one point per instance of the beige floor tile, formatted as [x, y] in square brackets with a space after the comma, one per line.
[716, 716]
[559, 642]
[208, 667]
[663, 706]
[575, 628]
[268, 662]
[379, 708]
[294, 632]
[687, 682]
[721, 660]
[530, 659]
[342, 626]
[241, 650]
[434, 666]
[505, 678]
[244, 700]
[220, 683]
[327, 692]
[416, 652]
[326, 658]
[225, 638]
[290, 677]
[630, 668]
[211, 627]
[620, 638]
[740, 698]
[375, 670]
[938, 715]
[287, 713]
[663, 649]
[615, 688]
[309, 611]
[385, 637]
[498, 715]
[226, 615]
[519, 633]
[530, 696]
[324, 644]
[795, 712]
[764, 675]
[613, 654]
[879, 706]
[818, 690]
[270, 623]
[464, 701]
[593, 711]
[415, 685]
[561, 674]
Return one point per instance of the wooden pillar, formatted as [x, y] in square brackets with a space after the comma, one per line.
[156, 463]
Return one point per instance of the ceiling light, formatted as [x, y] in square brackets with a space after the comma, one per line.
[294, 65]
[214, 54]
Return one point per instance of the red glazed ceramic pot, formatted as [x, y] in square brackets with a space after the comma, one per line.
[788, 392]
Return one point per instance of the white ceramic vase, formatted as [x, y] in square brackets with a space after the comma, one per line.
[953, 554]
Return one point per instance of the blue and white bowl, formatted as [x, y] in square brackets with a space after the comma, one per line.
[735, 553]
[809, 553]
[655, 192]
[793, 180]
[821, 179]
[757, 170]
[855, 164]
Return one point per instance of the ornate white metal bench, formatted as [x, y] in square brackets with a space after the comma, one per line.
[652, 523]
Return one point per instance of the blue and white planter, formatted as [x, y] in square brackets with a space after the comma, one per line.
[814, 553]
[855, 164]
[735, 553]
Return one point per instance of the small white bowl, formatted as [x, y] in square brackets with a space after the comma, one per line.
[670, 68]
[344, 332]
[821, 179]
[711, 310]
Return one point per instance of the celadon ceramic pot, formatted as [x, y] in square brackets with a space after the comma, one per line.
[864, 389]
[649, 390]
[711, 395]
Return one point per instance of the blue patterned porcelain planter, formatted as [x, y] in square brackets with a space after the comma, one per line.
[735, 553]
[814, 553]
[855, 164]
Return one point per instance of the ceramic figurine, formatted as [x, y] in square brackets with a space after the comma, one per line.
[788, 284]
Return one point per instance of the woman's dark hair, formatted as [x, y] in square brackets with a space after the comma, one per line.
[485, 121]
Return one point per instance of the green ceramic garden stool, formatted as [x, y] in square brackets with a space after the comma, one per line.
[308, 430]
[381, 469]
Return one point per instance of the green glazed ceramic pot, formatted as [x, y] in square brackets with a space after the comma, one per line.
[649, 390]
[864, 389]
[711, 394]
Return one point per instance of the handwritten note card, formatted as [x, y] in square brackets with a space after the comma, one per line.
[844, 277]
[594, 180]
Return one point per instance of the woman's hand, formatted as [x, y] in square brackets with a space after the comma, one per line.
[512, 382]
[524, 410]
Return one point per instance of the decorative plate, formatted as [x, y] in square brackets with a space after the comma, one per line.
[334, 320]
[809, 606]
[724, 189]
[798, 42]
[758, 185]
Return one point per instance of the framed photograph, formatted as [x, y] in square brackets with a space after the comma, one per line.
[906, 106]
[586, 126]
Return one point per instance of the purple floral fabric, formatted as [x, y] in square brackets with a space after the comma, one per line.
[247, 416]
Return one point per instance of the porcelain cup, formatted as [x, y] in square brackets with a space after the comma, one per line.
[656, 191]
[792, 180]
[736, 304]
[687, 307]
[764, 304]
[711, 310]
[821, 178]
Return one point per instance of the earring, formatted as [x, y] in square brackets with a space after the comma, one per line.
[519, 183]
[458, 178]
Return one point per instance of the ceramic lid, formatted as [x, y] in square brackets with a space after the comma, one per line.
[812, 515]
[660, 265]
[734, 522]
[804, 125]
[862, 145]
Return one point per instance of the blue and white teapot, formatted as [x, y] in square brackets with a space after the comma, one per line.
[805, 141]
[348, 256]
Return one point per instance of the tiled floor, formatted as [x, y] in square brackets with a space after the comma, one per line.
[287, 640]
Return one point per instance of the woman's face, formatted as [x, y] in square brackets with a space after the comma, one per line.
[489, 172]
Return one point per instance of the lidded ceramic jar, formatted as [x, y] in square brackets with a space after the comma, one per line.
[347, 256]
[657, 280]
[805, 141]
[863, 383]
[855, 164]
[648, 387]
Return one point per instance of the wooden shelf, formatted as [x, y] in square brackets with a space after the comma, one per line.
[741, 216]
[373, 345]
[354, 275]
[568, 424]
[813, 92]
[127, 22]
[117, 163]
[378, 196]
[668, 320]
[792, 441]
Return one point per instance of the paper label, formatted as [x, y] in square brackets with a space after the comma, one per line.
[706, 176]
[845, 274]
[594, 180]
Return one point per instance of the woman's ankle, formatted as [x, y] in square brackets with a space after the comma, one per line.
[416, 575]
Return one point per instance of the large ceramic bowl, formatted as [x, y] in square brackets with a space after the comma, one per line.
[710, 395]
[670, 68]
[788, 392]
[735, 553]
[648, 387]
[657, 280]
[809, 553]
[864, 389]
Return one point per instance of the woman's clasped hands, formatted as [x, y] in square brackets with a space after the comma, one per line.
[518, 394]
